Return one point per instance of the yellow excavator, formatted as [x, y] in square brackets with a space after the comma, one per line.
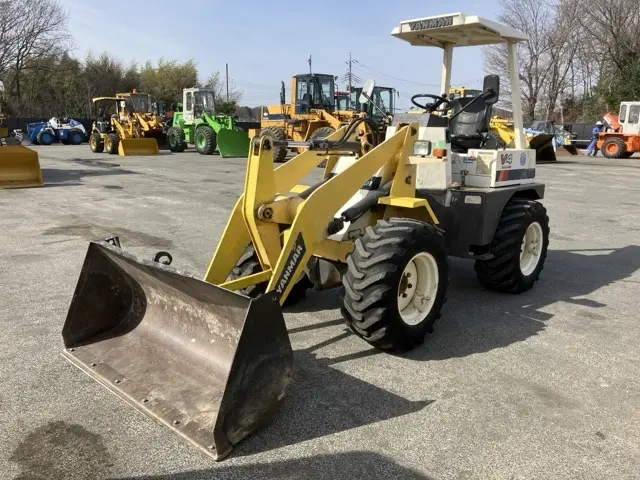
[117, 130]
[210, 357]
[19, 166]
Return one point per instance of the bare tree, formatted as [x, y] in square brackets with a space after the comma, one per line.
[562, 45]
[38, 29]
[535, 19]
[613, 26]
[219, 87]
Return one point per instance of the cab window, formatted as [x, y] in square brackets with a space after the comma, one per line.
[623, 113]
[189, 101]
[634, 114]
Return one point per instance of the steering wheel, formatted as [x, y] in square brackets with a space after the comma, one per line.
[430, 107]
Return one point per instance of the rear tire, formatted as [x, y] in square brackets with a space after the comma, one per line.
[111, 143]
[175, 140]
[205, 139]
[614, 147]
[396, 283]
[95, 143]
[516, 267]
[322, 132]
[276, 133]
[248, 264]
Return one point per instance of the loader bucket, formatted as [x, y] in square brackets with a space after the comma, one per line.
[209, 363]
[233, 143]
[542, 143]
[566, 151]
[138, 146]
[19, 167]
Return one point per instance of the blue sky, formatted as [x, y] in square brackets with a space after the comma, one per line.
[265, 42]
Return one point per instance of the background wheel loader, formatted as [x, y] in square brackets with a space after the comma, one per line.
[311, 114]
[622, 137]
[197, 122]
[211, 359]
[146, 115]
[19, 166]
[116, 129]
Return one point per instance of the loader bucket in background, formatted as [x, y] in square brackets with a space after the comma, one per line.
[233, 143]
[19, 167]
[138, 146]
[542, 143]
[566, 151]
[209, 363]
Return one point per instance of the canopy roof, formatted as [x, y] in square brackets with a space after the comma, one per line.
[457, 29]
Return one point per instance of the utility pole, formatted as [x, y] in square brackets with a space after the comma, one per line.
[227, 68]
[350, 78]
[349, 90]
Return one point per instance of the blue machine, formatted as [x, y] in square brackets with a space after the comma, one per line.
[45, 133]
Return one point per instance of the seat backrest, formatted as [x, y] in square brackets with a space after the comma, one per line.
[474, 120]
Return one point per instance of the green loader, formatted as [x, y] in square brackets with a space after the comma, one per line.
[197, 123]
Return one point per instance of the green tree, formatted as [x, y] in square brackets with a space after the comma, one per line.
[166, 81]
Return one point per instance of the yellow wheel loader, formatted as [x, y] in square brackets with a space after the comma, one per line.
[116, 129]
[311, 113]
[211, 358]
[19, 166]
[144, 113]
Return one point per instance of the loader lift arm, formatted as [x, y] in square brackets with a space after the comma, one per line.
[259, 213]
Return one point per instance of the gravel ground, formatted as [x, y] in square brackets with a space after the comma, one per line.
[537, 386]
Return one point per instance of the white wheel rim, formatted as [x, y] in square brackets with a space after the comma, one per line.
[531, 249]
[418, 288]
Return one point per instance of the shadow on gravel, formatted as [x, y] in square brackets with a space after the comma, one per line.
[323, 400]
[475, 320]
[347, 466]
[58, 177]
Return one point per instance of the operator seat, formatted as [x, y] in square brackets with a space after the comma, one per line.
[470, 129]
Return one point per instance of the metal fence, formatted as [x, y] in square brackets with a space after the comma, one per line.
[244, 122]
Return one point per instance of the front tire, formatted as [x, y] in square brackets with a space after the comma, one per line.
[396, 283]
[111, 143]
[175, 140]
[276, 134]
[205, 139]
[95, 143]
[248, 264]
[614, 147]
[45, 137]
[519, 247]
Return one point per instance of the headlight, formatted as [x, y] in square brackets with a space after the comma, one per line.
[422, 147]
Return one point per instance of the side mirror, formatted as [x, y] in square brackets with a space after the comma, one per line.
[491, 89]
[367, 91]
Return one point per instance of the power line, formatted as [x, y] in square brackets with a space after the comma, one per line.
[362, 66]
